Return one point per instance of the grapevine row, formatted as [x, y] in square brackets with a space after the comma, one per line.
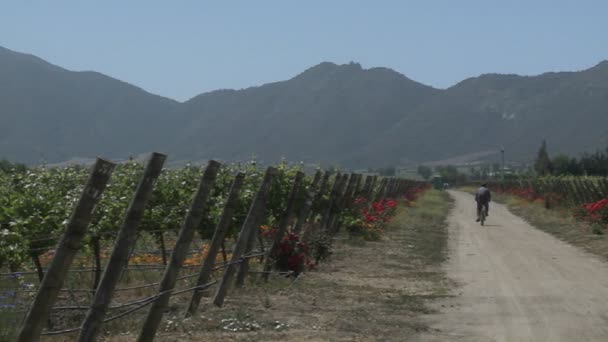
[289, 217]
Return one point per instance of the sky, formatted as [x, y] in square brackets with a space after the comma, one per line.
[181, 48]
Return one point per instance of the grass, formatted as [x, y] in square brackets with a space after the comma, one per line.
[366, 290]
[426, 225]
[558, 222]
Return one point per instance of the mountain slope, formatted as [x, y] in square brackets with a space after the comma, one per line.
[324, 114]
[569, 109]
[339, 114]
[51, 113]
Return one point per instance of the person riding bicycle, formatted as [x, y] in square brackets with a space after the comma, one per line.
[483, 198]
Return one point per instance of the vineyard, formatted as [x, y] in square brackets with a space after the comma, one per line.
[83, 247]
[586, 197]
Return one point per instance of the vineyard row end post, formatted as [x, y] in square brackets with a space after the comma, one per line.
[257, 208]
[307, 204]
[216, 241]
[198, 208]
[120, 254]
[70, 244]
[290, 210]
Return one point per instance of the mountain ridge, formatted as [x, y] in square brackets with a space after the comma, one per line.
[329, 113]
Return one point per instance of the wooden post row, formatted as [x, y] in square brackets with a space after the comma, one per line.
[342, 192]
[332, 199]
[120, 254]
[70, 244]
[256, 212]
[285, 219]
[193, 218]
[319, 196]
[305, 208]
[366, 187]
[380, 191]
[372, 188]
[344, 202]
[216, 242]
[243, 269]
[309, 230]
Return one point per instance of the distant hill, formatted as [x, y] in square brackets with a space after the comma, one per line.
[328, 113]
[569, 109]
[50, 113]
[339, 114]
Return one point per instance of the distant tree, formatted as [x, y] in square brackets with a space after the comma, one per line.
[595, 164]
[425, 172]
[475, 173]
[496, 170]
[7, 166]
[564, 165]
[450, 174]
[387, 171]
[542, 164]
[485, 171]
[332, 169]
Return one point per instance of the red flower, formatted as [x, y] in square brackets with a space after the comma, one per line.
[360, 200]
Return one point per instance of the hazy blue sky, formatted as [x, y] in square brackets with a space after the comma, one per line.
[181, 48]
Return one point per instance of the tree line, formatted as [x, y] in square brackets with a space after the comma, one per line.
[590, 164]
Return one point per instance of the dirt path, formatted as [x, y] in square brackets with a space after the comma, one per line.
[518, 283]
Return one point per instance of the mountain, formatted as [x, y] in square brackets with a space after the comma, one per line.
[325, 114]
[339, 114]
[50, 113]
[568, 109]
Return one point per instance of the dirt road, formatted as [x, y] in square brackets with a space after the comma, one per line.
[517, 283]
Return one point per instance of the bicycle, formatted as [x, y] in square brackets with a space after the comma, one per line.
[483, 214]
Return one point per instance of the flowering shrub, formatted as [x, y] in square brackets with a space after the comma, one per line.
[595, 213]
[412, 194]
[267, 231]
[291, 254]
[369, 220]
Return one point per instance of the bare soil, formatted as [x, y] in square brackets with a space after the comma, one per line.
[368, 291]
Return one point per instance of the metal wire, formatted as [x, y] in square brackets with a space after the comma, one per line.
[143, 302]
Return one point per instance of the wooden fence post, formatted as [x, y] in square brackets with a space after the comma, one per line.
[380, 194]
[353, 193]
[306, 205]
[366, 186]
[311, 216]
[198, 208]
[333, 196]
[282, 228]
[120, 255]
[319, 195]
[344, 203]
[339, 203]
[358, 187]
[216, 242]
[250, 227]
[69, 245]
[396, 188]
[392, 190]
[243, 268]
[370, 194]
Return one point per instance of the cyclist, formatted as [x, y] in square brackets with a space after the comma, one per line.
[483, 198]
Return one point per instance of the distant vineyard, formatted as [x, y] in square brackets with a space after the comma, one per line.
[73, 238]
[567, 190]
[587, 197]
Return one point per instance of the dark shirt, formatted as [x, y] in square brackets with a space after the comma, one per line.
[483, 195]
